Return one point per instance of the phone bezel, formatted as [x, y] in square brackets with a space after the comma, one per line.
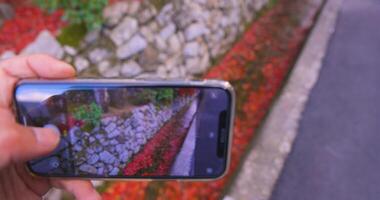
[145, 83]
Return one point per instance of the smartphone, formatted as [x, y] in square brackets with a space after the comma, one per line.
[130, 128]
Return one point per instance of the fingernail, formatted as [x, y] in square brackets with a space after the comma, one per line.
[47, 137]
[54, 128]
[66, 67]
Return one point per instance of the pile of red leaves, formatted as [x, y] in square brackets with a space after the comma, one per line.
[24, 27]
[257, 66]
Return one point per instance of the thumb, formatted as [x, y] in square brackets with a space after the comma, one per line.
[20, 143]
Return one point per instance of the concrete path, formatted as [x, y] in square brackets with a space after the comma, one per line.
[336, 154]
[183, 164]
[273, 143]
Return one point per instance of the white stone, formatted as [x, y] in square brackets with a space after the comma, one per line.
[161, 71]
[165, 14]
[224, 21]
[205, 62]
[200, 1]
[110, 127]
[182, 71]
[191, 49]
[112, 72]
[197, 65]
[114, 171]
[174, 73]
[168, 31]
[124, 31]
[113, 134]
[124, 156]
[147, 33]
[172, 62]
[148, 60]
[162, 57]
[193, 65]
[77, 147]
[115, 12]
[44, 43]
[174, 43]
[98, 55]
[91, 139]
[70, 50]
[145, 15]
[88, 168]
[135, 45]
[92, 36]
[93, 159]
[100, 170]
[114, 142]
[119, 148]
[195, 30]
[74, 133]
[160, 43]
[103, 66]
[234, 17]
[167, 8]
[107, 157]
[147, 76]
[153, 26]
[133, 7]
[181, 37]
[81, 63]
[106, 120]
[130, 69]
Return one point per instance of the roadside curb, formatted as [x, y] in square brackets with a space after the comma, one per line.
[264, 163]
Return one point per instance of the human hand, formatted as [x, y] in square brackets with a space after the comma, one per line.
[19, 144]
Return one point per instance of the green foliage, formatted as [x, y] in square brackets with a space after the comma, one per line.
[90, 114]
[143, 97]
[164, 95]
[78, 11]
[72, 35]
[157, 96]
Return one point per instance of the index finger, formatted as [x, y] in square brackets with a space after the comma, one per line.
[32, 66]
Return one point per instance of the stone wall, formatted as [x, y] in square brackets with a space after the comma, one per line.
[108, 148]
[180, 40]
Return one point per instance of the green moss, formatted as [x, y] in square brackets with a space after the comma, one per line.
[72, 35]
[159, 4]
[267, 7]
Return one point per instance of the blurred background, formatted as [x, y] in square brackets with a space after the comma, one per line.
[305, 74]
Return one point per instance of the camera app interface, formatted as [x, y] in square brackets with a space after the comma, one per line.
[115, 131]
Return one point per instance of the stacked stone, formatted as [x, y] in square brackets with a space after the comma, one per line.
[109, 147]
[137, 41]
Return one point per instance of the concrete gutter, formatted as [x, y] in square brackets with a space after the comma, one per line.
[264, 163]
[183, 165]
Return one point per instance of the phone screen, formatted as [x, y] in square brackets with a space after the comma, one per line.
[114, 130]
